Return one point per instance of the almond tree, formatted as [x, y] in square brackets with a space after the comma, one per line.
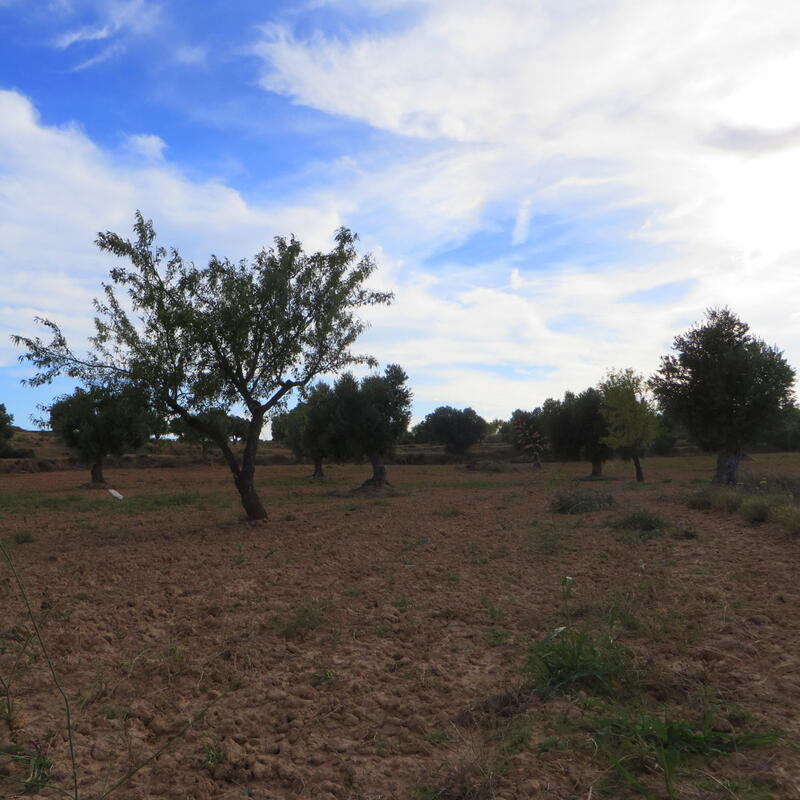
[202, 337]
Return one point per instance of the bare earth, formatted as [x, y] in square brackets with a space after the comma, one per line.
[372, 647]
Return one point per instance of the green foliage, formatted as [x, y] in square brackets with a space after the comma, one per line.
[456, 429]
[6, 431]
[309, 428]
[580, 502]
[575, 427]
[102, 421]
[630, 418]
[372, 414]
[229, 332]
[633, 741]
[725, 385]
[755, 509]
[642, 524]
[700, 500]
[304, 619]
[567, 660]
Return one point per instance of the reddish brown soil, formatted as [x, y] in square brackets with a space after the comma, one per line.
[371, 647]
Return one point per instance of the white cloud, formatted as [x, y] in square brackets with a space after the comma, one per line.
[147, 145]
[58, 189]
[189, 55]
[681, 110]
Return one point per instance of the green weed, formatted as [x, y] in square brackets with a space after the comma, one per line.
[568, 660]
[580, 502]
[304, 619]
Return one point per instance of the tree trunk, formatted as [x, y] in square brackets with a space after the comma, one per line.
[97, 471]
[597, 469]
[318, 473]
[727, 467]
[638, 466]
[378, 479]
[250, 499]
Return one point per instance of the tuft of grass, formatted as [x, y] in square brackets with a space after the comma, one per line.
[567, 660]
[304, 619]
[633, 741]
[580, 502]
[547, 540]
[760, 508]
[23, 537]
[789, 517]
[645, 524]
[495, 613]
[727, 500]
[700, 500]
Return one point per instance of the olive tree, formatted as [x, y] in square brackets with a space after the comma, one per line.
[370, 416]
[202, 337]
[630, 418]
[308, 428]
[99, 421]
[457, 429]
[725, 385]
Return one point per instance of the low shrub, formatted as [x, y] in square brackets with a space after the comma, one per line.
[643, 520]
[789, 517]
[568, 660]
[759, 509]
[580, 502]
[700, 500]
[727, 500]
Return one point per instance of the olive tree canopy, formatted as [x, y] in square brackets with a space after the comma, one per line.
[725, 385]
[202, 337]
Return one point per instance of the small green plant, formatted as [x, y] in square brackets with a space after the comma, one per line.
[547, 540]
[757, 509]
[726, 500]
[516, 739]
[552, 743]
[403, 603]
[211, 756]
[495, 614]
[789, 518]
[642, 521]
[568, 660]
[438, 738]
[700, 500]
[303, 619]
[34, 761]
[322, 676]
[23, 537]
[633, 740]
[580, 502]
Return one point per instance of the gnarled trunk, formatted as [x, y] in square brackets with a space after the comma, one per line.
[727, 471]
[250, 499]
[97, 471]
[318, 473]
[378, 479]
[638, 466]
[597, 468]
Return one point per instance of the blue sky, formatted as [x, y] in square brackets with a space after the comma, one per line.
[550, 189]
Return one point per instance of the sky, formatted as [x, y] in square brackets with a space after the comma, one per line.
[551, 188]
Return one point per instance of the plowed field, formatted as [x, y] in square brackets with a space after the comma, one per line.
[373, 646]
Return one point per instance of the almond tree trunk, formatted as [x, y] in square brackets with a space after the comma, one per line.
[638, 466]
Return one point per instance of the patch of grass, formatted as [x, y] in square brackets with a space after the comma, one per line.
[552, 743]
[789, 517]
[516, 739]
[449, 513]
[304, 619]
[438, 738]
[633, 741]
[547, 540]
[642, 524]
[33, 761]
[23, 537]
[568, 660]
[580, 502]
[322, 676]
[495, 613]
[211, 756]
[700, 500]
[727, 500]
[760, 508]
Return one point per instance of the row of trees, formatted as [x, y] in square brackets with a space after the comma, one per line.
[725, 387]
[350, 420]
[198, 340]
